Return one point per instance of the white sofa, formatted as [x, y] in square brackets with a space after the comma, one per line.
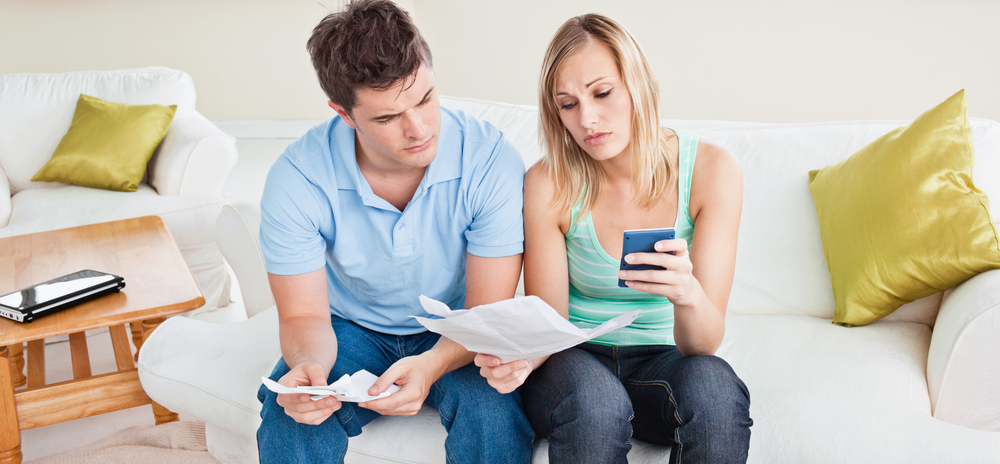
[183, 179]
[922, 385]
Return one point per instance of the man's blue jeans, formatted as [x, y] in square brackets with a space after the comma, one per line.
[588, 402]
[488, 427]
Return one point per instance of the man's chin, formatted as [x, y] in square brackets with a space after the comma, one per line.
[422, 158]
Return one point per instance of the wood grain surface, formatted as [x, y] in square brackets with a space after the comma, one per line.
[157, 280]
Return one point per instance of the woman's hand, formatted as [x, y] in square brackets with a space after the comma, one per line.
[675, 281]
[505, 378]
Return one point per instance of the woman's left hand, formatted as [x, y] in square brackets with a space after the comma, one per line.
[504, 377]
[675, 281]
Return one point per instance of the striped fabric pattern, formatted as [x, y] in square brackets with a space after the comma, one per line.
[594, 294]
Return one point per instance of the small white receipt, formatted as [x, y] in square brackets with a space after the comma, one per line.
[518, 328]
[349, 388]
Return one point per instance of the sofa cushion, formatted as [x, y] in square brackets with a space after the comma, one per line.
[38, 109]
[807, 379]
[820, 392]
[190, 220]
[108, 144]
[901, 219]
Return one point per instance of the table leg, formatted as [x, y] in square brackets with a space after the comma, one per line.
[17, 364]
[36, 363]
[10, 433]
[136, 328]
[119, 343]
[160, 413]
[79, 354]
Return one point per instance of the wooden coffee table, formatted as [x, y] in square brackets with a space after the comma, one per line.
[158, 283]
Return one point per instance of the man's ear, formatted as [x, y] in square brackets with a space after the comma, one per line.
[343, 114]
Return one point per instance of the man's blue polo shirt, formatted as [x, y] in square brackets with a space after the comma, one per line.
[318, 210]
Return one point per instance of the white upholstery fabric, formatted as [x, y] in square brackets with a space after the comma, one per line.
[225, 395]
[4, 199]
[236, 233]
[963, 368]
[820, 393]
[199, 158]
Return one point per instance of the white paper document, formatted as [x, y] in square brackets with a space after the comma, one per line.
[349, 388]
[518, 328]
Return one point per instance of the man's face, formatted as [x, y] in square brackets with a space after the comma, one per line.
[397, 127]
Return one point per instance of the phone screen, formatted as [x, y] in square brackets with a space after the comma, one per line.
[54, 289]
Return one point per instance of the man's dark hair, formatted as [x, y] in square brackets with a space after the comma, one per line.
[372, 43]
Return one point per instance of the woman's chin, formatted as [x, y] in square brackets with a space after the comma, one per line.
[602, 152]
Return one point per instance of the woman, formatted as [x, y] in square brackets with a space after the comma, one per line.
[610, 167]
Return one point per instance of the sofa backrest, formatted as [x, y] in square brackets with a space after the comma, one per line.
[780, 267]
[36, 110]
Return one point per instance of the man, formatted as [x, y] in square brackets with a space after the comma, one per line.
[393, 198]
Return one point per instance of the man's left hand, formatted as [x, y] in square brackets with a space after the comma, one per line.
[414, 375]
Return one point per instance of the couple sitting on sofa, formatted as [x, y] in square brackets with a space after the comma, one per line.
[397, 197]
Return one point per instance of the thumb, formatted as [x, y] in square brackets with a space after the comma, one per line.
[317, 377]
[386, 380]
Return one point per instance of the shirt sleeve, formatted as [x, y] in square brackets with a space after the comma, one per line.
[496, 196]
[290, 221]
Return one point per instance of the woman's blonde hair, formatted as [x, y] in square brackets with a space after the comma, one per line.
[575, 174]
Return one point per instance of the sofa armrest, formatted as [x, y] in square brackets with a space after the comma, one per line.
[236, 231]
[194, 158]
[963, 365]
[4, 199]
[211, 372]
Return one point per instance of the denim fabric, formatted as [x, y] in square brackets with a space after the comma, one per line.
[489, 427]
[588, 402]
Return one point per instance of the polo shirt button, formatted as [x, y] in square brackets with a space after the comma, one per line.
[402, 226]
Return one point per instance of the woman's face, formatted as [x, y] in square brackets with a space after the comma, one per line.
[593, 102]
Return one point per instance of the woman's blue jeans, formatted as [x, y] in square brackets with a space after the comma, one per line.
[483, 425]
[588, 402]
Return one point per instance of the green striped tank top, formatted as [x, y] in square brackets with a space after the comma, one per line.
[594, 294]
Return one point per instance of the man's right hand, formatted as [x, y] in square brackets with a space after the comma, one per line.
[299, 406]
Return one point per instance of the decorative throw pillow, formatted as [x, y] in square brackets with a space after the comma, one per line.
[901, 219]
[107, 145]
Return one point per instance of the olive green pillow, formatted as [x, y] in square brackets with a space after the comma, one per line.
[107, 145]
[901, 219]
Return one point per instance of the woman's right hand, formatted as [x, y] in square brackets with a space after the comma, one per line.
[504, 377]
[299, 406]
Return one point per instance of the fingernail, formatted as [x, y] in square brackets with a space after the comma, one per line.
[329, 402]
[621, 274]
[629, 258]
[496, 362]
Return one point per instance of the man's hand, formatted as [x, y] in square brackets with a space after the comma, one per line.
[505, 378]
[299, 406]
[414, 375]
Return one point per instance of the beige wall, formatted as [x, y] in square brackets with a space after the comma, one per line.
[247, 57]
[765, 61]
[776, 61]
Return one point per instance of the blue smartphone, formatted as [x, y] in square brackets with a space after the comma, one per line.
[641, 241]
